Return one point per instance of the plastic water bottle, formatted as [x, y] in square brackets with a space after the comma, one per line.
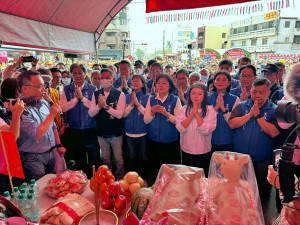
[12, 198]
[35, 205]
[6, 195]
[22, 191]
[34, 186]
[16, 189]
[25, 185]
[21, 202]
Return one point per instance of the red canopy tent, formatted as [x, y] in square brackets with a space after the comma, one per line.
[65, 25]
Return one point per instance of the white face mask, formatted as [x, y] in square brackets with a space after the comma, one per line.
[105, 83]
[138, 71]
[66, 81]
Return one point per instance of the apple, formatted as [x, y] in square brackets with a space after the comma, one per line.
[107, 202]
[120, 202]
[113, 189]
[118, 212]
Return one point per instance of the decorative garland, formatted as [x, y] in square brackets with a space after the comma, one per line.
[233, 10]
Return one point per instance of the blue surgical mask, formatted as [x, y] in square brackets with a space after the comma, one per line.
[66, 81]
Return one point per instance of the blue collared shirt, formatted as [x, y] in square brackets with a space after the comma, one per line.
[29, 129]
[118, 82]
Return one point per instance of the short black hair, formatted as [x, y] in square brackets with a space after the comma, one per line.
[157, 64]
[96, 64]
[150, 62]
[75, 65]
[53, 70]
[125, 62]
[169, 79]
[226, 62]
[103, 65]
[244, 58]
[209, 81]
[228, 77]
[60, 64]
[248, 66]
[261, 81]
[169, 66]
[280, 64]
[8, 89]
[25, 77]
[182, 70]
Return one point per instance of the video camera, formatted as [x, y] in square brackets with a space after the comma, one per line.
[286, 112]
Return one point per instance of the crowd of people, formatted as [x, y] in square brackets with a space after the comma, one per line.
[138, 117]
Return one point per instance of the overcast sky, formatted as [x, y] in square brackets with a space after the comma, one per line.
[152, 34]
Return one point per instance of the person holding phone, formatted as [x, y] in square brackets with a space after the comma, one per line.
[161, 111]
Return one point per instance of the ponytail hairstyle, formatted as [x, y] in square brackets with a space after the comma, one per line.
[204, 102]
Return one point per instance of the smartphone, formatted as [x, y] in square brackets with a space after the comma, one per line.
[276, 157]
[28, 59]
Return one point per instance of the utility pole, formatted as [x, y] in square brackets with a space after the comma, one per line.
[163, 45]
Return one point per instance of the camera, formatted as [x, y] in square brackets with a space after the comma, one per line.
[27, 59]
[283, 162]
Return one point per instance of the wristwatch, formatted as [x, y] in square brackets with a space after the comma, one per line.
[225, 111]
[258, 116]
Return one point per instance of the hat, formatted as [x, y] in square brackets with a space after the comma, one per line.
[139, 63]
[272, 68]
[48, 62]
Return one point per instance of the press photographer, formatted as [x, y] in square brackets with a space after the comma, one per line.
[287, 162]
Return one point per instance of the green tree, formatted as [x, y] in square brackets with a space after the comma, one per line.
[140, 54]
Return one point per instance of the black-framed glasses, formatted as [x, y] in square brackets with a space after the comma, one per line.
[38, 87]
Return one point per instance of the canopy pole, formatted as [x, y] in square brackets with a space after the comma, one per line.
[96, 48]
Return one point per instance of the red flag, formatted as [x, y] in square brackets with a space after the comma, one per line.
[8, 141]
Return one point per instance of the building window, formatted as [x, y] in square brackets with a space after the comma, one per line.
[287, 24]
[200, 46]
[110, 34]
[123, 22]
[223, 35]
[253, 42]
[264, 41]
[111, 47]
[234, 31]
[255, 27]
[296, 39]
[232, 44]
[286, 40]
[200, 35]
[246, 29]
[271, 24]
[243, 43]
[297, 24]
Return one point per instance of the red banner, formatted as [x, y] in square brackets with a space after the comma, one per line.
[12, 153]
[165, 5]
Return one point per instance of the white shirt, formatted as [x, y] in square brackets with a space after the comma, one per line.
[148, 117]
[66, 105]
[194, 139]
[118, 112]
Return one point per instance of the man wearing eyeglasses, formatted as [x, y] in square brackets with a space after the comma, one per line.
[247, 74]
[38, 132]
[155, 70]
[271, 72]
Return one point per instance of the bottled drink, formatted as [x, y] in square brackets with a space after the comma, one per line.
[21, 202]
[12, 198]
[25, 186]
[16, 189]
[22, 191]
[35, 206]
[34, 186]
[6, 195]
